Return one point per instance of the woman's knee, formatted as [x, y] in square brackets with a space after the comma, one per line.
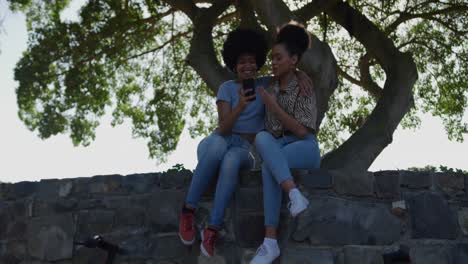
[262, 138]
[232, 161]
[213, 144]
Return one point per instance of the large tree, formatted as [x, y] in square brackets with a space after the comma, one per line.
[157, 63]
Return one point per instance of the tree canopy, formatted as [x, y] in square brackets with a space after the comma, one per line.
[157, 64]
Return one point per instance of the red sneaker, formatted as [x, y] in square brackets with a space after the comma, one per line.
[207, 245]
[187, 228]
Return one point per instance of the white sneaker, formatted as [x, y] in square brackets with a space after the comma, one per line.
[298, 202]
[265, 254]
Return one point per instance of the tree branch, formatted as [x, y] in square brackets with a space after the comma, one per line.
[202, 56]
[348, 77]
[367, 83]
[247, 14]
[405, 16]
[308, 12]
[186, 6]
[172, 39]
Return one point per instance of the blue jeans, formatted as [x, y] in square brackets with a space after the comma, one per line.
[225, 156]
[279, 155]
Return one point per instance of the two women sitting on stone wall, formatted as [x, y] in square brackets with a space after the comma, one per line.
[284, 136]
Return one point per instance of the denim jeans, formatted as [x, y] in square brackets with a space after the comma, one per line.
[279, 155]
[225, 156]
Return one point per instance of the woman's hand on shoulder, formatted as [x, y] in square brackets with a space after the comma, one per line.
[306, 85]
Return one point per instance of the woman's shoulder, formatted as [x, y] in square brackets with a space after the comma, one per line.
[228, 85]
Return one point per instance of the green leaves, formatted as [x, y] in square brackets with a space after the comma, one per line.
[128, 57]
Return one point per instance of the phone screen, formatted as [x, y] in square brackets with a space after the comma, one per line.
[249, 84]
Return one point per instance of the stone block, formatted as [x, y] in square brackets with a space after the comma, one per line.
[12, 251]
[94, 222]
[248, 178]
[463, 220]
[80, 187]
[387, 184]
[168, 246]
[431, 217]
[65, 188]
[23, 189]
[48, 189]
[89, 204]
[451, 184]
[132, 216]
[303, 255]
[362, 255]
[353, 183]
[103, 184]
[249, 199]
[416, 179]
[175, 179]
[335, 221]
[12, 220]
[162, 209]
[315, 179]
[137, 242]
[462, 253]
[16, 230]
[249, 229]
[88, 255]
[140, 183]
[438, 254]
[49, 207]
[50, 238]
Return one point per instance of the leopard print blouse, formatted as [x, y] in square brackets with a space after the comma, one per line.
[302, 108]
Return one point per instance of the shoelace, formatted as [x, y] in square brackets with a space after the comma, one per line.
[262, 251]
[188, 222]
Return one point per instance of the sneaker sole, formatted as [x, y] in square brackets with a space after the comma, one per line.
[186, 242]
[202, 248]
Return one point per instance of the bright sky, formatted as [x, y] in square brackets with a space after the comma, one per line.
[25, 157]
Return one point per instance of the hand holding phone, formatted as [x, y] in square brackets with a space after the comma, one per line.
[249, 84]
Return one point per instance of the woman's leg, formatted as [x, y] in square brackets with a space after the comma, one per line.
[272, 196]
[234, 159]
[272, 193]
[270, 150]
[295, 153]
[210, 153]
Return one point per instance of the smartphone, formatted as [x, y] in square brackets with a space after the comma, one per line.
[249, 84]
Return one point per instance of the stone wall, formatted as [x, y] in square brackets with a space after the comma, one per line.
[353, 218]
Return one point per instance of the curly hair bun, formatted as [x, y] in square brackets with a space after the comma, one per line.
[244, 41]
[295, 37]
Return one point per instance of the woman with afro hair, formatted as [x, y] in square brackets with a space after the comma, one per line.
[289, 140]
[226, 151]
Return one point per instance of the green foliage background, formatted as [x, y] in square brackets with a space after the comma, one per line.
[129, 58]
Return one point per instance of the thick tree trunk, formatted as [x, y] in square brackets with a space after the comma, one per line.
[202, 56]
[362, 148]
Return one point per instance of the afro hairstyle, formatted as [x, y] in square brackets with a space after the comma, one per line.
[244, 41]
[294, 37]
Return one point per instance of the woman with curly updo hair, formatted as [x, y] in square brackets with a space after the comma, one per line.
[289, 140]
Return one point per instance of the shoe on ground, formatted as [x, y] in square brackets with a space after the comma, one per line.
[265, 254]
[187, 227]
[209, 237]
